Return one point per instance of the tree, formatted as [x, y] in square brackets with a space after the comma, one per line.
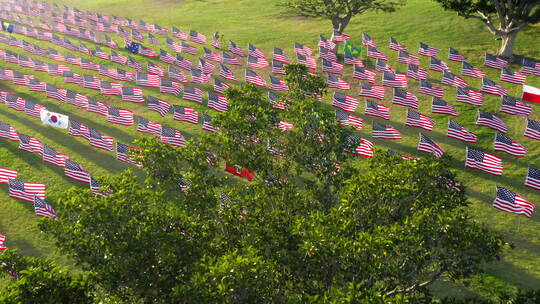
[503, 18]
[340, 12]
[316, 224]
[37, 280]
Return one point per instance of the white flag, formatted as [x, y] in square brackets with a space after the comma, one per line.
[54, 119]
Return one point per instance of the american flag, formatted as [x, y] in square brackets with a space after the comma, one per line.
[89, 65]
[324, 42]
[177, 33]
[364, 74]
[229, 59]
[16, 102]
[416, 73]
[512, 106]
[33, 109]
[454, 55]
[509, 201]
[72, 59]
[377, 110]
[54, 55]
[146, 126]
[440, 106]
[124, 76]
[344, 102]
[404, 98]
[2, 247]
[450, 79]
[339, 37]
[98, 107]
[285, 126]
[101, 54]
[84, 49]
[425, 144]
[111, 43]
[256, 62]
[302, 49]
[280, 55]
[336, 83]
[348, 120]
[192, 94]
[207, 126]
[495, 62]
[350, 59]
[25, 191]
[226, 73]
[235, 49]
[306, 60]
[489, 120]
[186, 48]
[217, 102]
[429, 89]
[51, 156]
[365, 148]
[426, 50]
[327, 54]
[155, 69]
[373, 91]
[136, 35]
[215, 41]
[78, 129]
[21, 79]
[513, 77]
[74, 171]
[490, 87]
[197, 76]
[394, 80]
[384, 131]
[147, 80]
[169, 87]
[277, 84]
[122, 153]
[396, 46]
[375, 53]
[532, 130]
[407, 58]
[166, 57]
[468, 70]
[438, 65]
[176, 74]
[255, 78]
[30, 144]
[366, 40]
[220, 86]
[120, 116]
[197, 37]
[505, 144]
[42, 208]
[6, 74]
[206, 67]
[457, 131]
[255, 52]
[469, 96]
[211, 55]
[8, 132]
[6, 174]
[382, 66]
[110, 88]
[152, 39]
[100, 141]
[483, 161]
[532, 180]
[276, 101]
[70, 77]
[91, 82]
[186, 114]
[531, 67]
[175, 46]
[415, 119]
[332, 67]
[183, 63]
[25, 62]
[133, 94]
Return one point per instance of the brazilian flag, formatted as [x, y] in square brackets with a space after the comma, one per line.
[7, 27]
[351, 50]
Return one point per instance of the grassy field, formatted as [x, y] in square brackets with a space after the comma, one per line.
[266, 24]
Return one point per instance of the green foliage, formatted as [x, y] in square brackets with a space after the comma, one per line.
[40, 281]
[313, 226]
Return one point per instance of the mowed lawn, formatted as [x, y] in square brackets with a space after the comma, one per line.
[267, 24]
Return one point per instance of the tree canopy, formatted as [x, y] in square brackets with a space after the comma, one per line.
[315, 224]
[504, 18]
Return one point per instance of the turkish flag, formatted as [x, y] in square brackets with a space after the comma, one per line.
[531, 94]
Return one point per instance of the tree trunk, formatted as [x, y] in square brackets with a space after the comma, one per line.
[339, 25]
[507, 45]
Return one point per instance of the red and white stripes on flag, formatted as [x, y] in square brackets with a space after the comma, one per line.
[509, 201]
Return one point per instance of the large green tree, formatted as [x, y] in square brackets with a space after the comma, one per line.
[316, 224]
[503, 18]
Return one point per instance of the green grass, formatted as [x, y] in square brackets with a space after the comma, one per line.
[266, 24]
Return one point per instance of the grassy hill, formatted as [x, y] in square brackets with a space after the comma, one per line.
[266, 24]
